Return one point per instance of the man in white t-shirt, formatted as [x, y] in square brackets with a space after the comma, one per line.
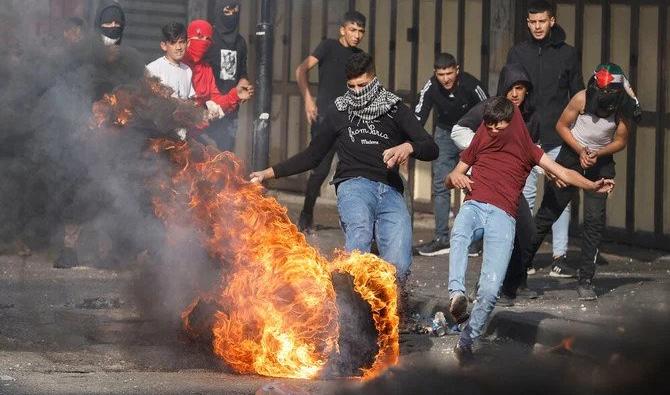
[169, 68]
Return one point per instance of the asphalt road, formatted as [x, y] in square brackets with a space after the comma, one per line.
[82, 330]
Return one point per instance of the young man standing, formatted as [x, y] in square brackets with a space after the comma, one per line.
[110, 22]
[331, 55]
[555, 71]
[453, 93]
[594, 126]
[501, 156]
[199, 37]
[228, 58]
[169, 67]
[373, 132]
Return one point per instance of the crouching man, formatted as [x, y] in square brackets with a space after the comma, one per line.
[501, 156]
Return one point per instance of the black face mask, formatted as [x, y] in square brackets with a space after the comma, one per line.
[607, 102]
[114, 33]
[230, 22]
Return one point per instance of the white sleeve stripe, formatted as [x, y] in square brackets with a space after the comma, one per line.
[425, 88]
[480, 93]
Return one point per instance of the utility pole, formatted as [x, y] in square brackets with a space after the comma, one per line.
[261, 137]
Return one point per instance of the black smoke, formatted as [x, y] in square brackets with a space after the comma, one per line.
[58, 168]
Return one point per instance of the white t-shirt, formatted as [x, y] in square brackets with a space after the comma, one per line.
[177, 77]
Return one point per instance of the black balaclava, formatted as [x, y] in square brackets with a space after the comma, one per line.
[111, 11]
[228, 26]
[606, 93]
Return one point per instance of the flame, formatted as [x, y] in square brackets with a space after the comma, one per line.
[374, 280]
[278, 316]
[567, 343]
[273, 309]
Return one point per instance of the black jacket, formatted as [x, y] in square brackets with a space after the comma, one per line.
[360, 146]
[450, 106]
[555, 71]
[228, 53]
[510, 75]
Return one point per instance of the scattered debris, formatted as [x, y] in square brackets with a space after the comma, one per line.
[439, 327]
[7, 378]
[275, 388]
[99, 303]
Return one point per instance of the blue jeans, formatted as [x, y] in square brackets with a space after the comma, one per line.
[442, 166]
[474, 221]
[373, 209]
[560, 228]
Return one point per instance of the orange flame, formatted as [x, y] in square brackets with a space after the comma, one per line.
[278, 314]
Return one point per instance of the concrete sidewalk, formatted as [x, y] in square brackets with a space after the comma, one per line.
[635, 283]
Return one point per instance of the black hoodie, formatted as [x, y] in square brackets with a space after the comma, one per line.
[510, 75]
[111, 7]
[555, 71]
[229, 49]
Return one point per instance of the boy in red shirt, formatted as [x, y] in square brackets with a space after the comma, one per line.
[501, 156]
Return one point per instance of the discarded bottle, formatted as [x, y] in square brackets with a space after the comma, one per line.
[439, 326]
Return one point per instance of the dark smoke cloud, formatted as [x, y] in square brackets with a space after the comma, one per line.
[56, 169]
[636, 365]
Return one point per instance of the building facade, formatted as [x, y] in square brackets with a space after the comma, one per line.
[404, 35]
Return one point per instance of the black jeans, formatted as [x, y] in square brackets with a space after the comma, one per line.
[223, 132]
[525, 232]
[319, 174]
[555, 199]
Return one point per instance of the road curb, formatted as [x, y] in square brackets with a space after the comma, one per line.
[545, 332]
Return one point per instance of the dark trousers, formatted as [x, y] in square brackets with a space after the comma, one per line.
[525, 232]
[555, 199]
[318, 175]
[223, 132]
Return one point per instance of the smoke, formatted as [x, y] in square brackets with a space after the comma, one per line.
[58, 170]
[637, 365]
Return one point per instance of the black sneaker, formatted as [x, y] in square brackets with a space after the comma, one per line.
[505, 300]
[439, 246]
[586, 291]
[463, 348]
[602, 261]
[306, 223]
[458, 307]
[560, 268]
[526, 293]
[66, 259]
[476, 248]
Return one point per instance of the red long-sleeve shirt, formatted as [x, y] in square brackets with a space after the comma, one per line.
[205, 87]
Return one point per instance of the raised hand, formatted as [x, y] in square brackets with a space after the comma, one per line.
[397, 155]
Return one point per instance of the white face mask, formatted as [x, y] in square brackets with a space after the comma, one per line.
[109, 41]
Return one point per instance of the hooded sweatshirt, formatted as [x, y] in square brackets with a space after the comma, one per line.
[554, 69]
[228, 53]
[203, 79]
[510, 75]
[108, 11]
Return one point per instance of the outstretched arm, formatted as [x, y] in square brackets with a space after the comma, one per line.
[572, 177]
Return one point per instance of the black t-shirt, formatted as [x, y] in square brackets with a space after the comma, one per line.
[332, 79]
[360, 146]
[229, 62]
